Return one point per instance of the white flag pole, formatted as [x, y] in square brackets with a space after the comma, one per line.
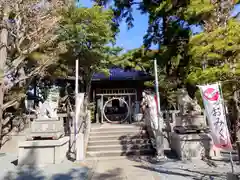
[76, 99]
[160, 123]
[159, 135]
[224, 109]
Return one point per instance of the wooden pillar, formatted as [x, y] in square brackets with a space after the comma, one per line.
[102, 109]
[130, 109]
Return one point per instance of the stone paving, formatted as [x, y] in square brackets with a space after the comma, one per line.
[117, 169]
[195, 169]
[64, 171]
[120, 169]
[142, 169]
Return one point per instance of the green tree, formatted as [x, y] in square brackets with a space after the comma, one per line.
[87, 34]
[169, 29]
[215, 57]
[26, 27]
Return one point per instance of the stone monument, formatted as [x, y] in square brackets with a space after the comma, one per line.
[190, 138]
[47, 124]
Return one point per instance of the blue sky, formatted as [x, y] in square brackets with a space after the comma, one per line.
[129, 39]
[133, 38]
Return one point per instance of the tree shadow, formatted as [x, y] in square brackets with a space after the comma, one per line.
[72, 174]
[25, 172]
[185, 172]
[113, 174]
[138, 144]
[28, 169]
[139, 147]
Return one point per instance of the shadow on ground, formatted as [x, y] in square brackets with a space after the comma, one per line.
[114, 174]
[34, 172]
[197, 175]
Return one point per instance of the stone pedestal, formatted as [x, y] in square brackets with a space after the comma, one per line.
[188, 146]
[47, 128]
[41, 152]
[191, 121]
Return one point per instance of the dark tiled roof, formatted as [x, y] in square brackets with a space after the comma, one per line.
[122, 74]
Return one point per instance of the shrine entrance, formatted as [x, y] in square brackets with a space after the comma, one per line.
[116, 105]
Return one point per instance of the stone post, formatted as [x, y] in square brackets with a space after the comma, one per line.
[80, 153]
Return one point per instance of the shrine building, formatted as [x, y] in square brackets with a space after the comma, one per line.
[117, 96]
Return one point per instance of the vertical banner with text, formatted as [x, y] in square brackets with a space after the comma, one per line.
[214, 108]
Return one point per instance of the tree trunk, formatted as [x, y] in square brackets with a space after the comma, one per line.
[88, 82]
[3, 58]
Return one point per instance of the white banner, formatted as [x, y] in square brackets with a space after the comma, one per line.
[214, 108]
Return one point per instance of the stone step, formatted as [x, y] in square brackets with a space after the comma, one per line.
[125, 147]
[117, 132]
[116, 128]
[115, 142]
[118, 137]
[111, 153]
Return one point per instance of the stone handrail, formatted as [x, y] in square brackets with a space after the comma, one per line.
[83, 127]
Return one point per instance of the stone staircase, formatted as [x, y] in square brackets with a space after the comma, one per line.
[118, 140]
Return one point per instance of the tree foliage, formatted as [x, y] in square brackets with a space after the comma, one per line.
[188, 59]
[215, 54]
[31, 27]
[86, 34]
[27, 31]
[215, 57]
[181, 54]
[44, 38]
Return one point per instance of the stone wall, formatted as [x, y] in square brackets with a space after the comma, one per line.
[21, 127]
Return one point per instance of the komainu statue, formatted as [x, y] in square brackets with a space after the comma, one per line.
[186, 104]
[190, 113]
[48, 124]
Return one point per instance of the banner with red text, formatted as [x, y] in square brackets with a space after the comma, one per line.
[214, 108]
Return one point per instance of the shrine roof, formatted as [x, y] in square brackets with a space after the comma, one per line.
[122, 74]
